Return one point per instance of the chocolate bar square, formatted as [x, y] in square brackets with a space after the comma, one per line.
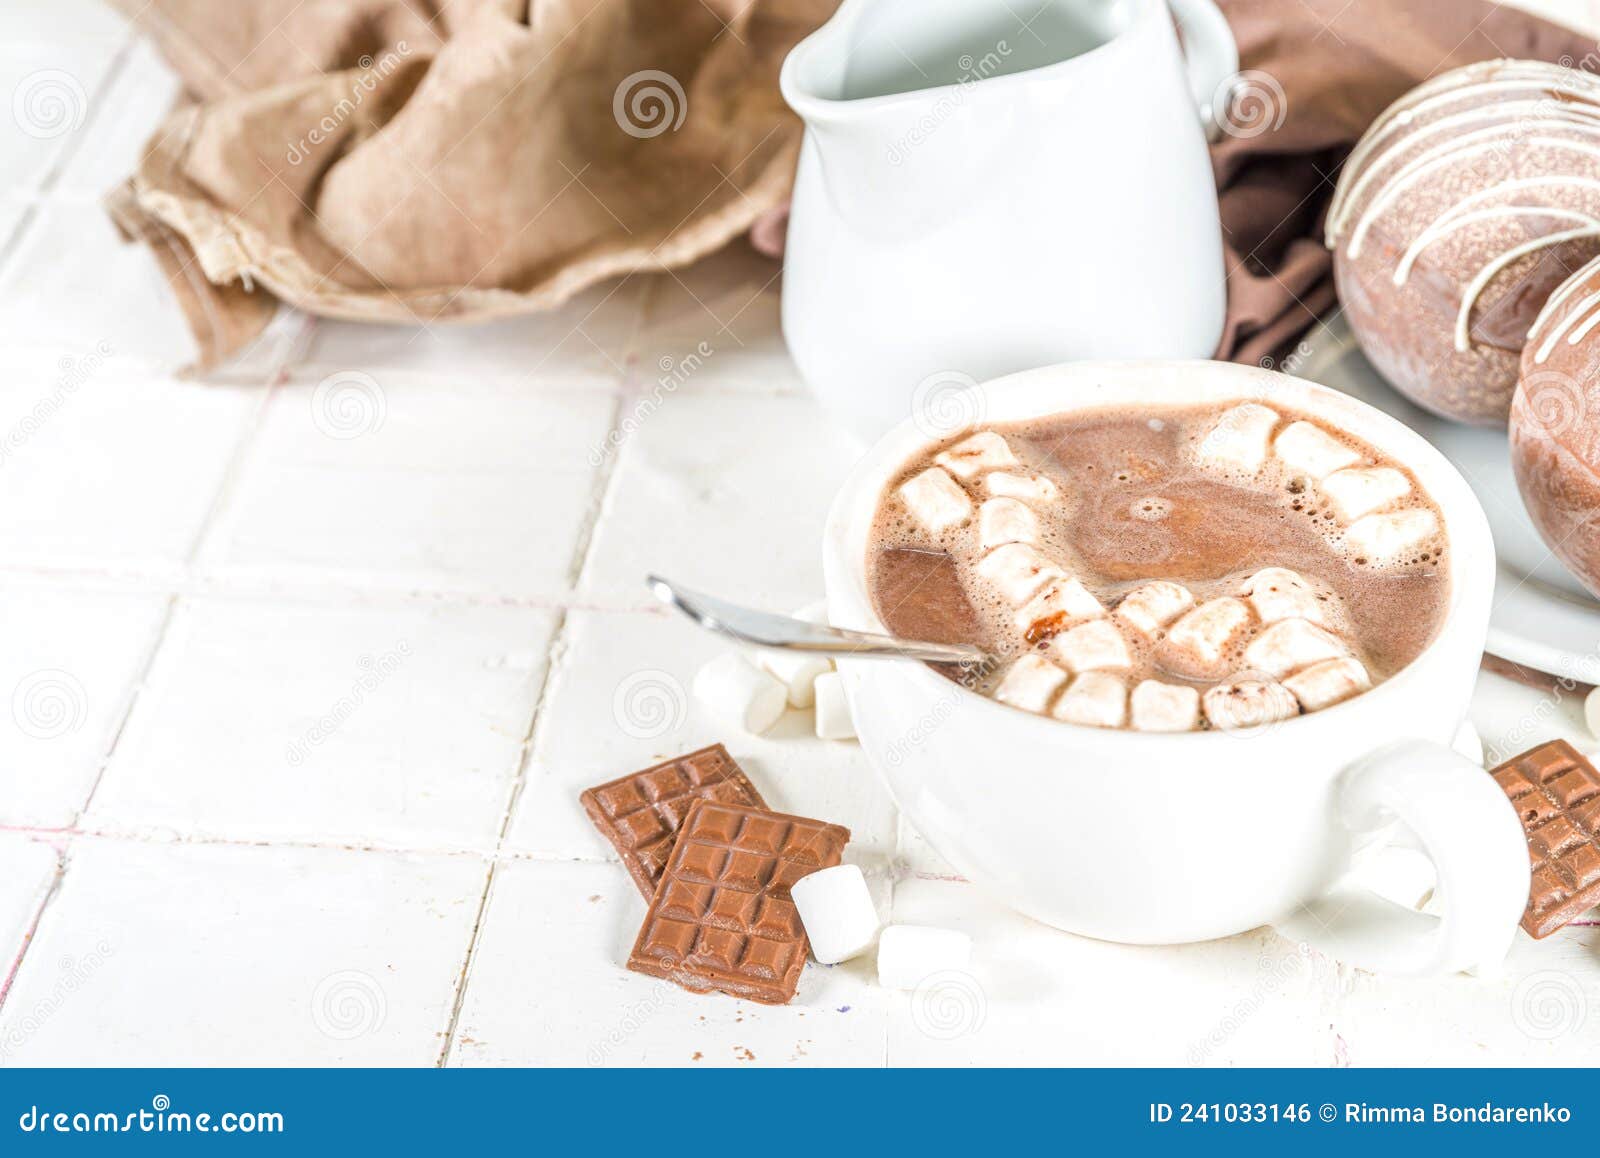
[749, 941]
[1556, 793]
[640, 813]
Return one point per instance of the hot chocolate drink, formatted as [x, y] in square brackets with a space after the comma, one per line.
[1164, 569]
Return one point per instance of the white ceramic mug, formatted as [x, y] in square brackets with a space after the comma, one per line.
[991, 185]
[1146, 838]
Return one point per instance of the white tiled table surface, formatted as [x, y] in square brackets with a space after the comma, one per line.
[307, 664]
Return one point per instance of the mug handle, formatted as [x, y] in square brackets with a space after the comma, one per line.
[1212, 55]
[1465, 824]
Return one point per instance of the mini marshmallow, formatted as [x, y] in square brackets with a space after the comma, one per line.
[1469, 744]
[935, 499]
[1159, 707]
[1095, 699]
[814, 612]
[1061, 603]
[1291, 645]
[834, 721]
[1380, 538]
[1327, 683]
[1002, 521]
[1248, 703]
[1239, 440]
[984, 451]
[1151, 607]
[1279, 593]
[909, 954]
[737, 691]
[836, 909]
[797, 671]
[1360, 491]
[1308, 449]
[1017, 571]
[1030, 683]
[1030, 488]
[1202, 635]
[1091, 646]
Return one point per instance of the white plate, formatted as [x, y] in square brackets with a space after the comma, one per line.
[1542, 618]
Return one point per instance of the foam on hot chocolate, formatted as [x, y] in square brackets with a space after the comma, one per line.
[1239, 552]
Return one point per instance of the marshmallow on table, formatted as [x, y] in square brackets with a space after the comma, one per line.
[1330, 682]
[1091, 646]
[1469, 744]
[834, 721]
[1151, 607]
[1279, 593]
[836, 909]
[1159, 707]
[1030, 683]
[797, 671]
[1240, 439]
[1382, 537]
[984, 451]
[1017, 571]
[935, 500]
[1062, 601]
[1202, 635]
[1307, 448]
[1002, 521]
[1031, 488]
[813, 612]
[1096, 699]
[1362, 490]
[1248, 703]
[740, 693]
[1291, 645]
[909, 954]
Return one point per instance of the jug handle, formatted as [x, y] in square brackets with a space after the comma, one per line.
[1212, 58]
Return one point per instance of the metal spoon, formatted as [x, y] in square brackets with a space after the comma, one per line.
[768, 630]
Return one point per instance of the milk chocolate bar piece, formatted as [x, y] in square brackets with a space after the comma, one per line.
[640, 813]
[1557, 796]
[722, 919]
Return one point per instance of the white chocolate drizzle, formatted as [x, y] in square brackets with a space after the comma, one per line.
[1559, 111]
[1579, 320]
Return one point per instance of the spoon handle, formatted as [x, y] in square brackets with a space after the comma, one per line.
[767, 630]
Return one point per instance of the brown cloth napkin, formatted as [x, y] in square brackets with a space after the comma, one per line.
[451, 160]
[1327, 69]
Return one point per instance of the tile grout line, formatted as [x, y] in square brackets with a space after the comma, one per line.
[605, 475]
[28, 935]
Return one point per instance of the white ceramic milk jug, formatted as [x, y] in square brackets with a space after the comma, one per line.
[991, 185]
